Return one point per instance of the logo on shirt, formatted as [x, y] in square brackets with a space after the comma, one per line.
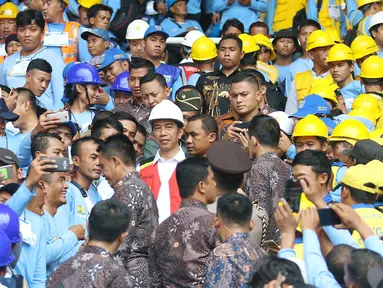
[80, 210]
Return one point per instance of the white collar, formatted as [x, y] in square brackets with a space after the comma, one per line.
[180, 156]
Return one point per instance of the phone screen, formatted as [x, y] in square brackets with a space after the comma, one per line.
[293, 192]
[327, 217]
[6, 172]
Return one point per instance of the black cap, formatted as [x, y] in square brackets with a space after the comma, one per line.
[365, 151]
[228, 157]
[11, 188]
[8, 157]
[286, 33]
[5, 113]
[10, 38]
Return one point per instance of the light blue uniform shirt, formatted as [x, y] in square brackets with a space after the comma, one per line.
[55, 91]
[350, 92]
[24, 151]
[246, 14]
[84, 119]
[57, 245]
[283, 71]
[194, 6]
[11, 141]
[174, 29]
[299, 65]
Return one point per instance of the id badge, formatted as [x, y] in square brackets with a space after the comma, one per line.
[56, 39]
[26, 230]
[20, 67]
[334, 12]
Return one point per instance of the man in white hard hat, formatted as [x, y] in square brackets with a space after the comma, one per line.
[376, 30]
[135, 36]
[159, 171]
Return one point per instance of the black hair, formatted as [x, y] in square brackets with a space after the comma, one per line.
[108, 220]
[121, 115]
[269, 269]
[235, 208]
[101, 124]
[261, 25]
[266, 130]
[101, 115]
[366, 7]
[40, 142]
[154, 76]
[29, 17]
[232, 37]
[189, 173]
[93, 10]
[227, 183]
[209, 124]
[249, 59]
[141, 129]
[138, 62]
[359, 263]
[28, 95]
[317, 160]
[361, 196]
[40, 64]
[233, 22]
[247, 76]
[372, 81]
[309, 22]
[120, 146]
[5, 88]
[76, 145]
[335, 261]
[261, 79]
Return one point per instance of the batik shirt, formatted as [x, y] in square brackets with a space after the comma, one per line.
[181, 247]
[233, 263]
[135, 193]
[140, 113]
[265, 183]
[91, 267]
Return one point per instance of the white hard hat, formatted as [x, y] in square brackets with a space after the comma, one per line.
[166, 110]
[190, 37]
[285, 123]
[376, 19]
[136, 30]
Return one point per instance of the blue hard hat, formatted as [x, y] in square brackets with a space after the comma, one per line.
[121, 83]
[67, 67]
[6, 256]
[9, 223]
[112, 55]
[155, 29]
[83, 73]
[312, 104]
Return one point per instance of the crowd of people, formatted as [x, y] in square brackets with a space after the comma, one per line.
[175, 143]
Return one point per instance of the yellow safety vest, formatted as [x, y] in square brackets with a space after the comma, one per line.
[271, 71]
[303, 82]
[362, 26]
[324, 18]
[373, 218]
[285, 10]
[70, 52]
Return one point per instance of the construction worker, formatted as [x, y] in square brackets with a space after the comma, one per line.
[98, 41]
[58, 33]
[280, 14]
[363, 47]
[115, 61]
[310, 133]
[204, 54]
[303, 63]
[341, 61]
[121, 89]
[265, 54]
[135, 36]
[376, 31]
[368, 8]
[344, 137]
[8, 13]
[318, 45]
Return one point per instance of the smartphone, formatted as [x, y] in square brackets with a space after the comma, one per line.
[243, 125]
[6, 171]
[271, 244]
[63, 115]
[327, 217]
[293, 193]
[63, 164]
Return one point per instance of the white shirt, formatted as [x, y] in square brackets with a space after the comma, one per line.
[165, 171]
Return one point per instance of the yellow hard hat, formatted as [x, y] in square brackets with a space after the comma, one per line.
[350, 131]
[248, 43]
[66, 1]
[317, 39]
[311, 125]
[261, 39]
[8, 11]
[203, 49]
[372, 68]
[363, 114]
[362, 46]
[377, 136]
[340, 52]
[373, 166]
[88, 3]
[358, 176]
[361, 3]
[368, 103]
